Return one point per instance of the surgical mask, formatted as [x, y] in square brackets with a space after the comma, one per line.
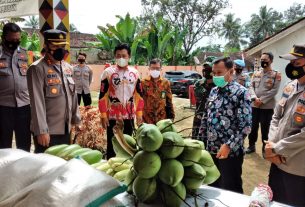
[12, 45]
[155, 73]
[81, 61]
[122, 62]
[264, 64]
[59, 54]
[293, 72]
[220, 81]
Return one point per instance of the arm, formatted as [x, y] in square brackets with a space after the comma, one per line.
[76, 119]
[274, 123]
[35, 81]
[104, 96]
[90, 75]
[271, 93]
[170, 113]
[138, 97]
[251, 89]
[244, 119]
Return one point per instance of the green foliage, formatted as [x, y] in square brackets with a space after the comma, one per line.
[32, 22]
[30, 43]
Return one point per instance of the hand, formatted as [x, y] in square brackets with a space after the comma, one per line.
[258, 102]
[223, 152]
[104, 122]
[43, 139]
[139, 120]
[271, 156]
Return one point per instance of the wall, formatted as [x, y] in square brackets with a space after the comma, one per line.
[98, 69]
[283, 46]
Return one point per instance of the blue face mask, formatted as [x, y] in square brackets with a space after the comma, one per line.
[220, 81]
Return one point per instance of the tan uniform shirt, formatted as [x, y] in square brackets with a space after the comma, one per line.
[53, 97]
[83, 78]
[287, 128]
[13, 83]
[265, 86]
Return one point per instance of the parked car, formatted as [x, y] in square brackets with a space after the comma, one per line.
[181, 80]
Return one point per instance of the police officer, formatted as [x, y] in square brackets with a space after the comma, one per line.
[157, 95]
[52, 92]
[239, 76]
[15, 115]
[286, 142]
[264, 86]
[82, 74]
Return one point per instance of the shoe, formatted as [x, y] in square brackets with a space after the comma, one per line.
[250, 150]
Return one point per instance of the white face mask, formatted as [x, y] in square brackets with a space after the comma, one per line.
[122, 62]
[155, 73]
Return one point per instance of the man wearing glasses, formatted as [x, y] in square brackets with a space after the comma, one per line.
[157, 95]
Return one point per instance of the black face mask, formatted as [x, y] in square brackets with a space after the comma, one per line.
[207, 74]
[12, 45]
[293, 72]
[238, 71]
[264, 64]
[81, 61]
[59, 54]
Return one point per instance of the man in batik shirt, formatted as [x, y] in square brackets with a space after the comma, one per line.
[227, 123]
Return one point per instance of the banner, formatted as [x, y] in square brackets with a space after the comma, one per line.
[18, 8]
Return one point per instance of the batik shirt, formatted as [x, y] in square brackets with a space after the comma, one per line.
[228, 118]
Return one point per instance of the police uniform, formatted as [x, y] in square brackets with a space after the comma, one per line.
[243, 79]
[83, 78]
[14, 102]
[264, 85]
[53, 97]
[157, 98]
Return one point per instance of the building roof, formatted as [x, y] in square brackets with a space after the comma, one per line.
[276, 36]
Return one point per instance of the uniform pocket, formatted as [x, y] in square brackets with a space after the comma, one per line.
[4, 70]
[269, 83]
[23, 67]
[53, 90]
[77, 75]
[86, 75]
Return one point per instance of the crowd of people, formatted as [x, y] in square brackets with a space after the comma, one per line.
[43, 100]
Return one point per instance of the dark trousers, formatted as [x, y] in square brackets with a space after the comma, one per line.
[86, 98]
[128, 129]
[262, 117]
[230, 170]
[18, 120]
[55, 139]
[287, 188]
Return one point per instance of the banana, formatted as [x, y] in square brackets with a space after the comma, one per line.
[103, 167]
[120, 166]
[54, 150]
[110, 172]
[92, 156]
[120, 176]
[120, 160]
[77, 152]
[71, 148]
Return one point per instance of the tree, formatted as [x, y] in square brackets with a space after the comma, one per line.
[197, 16]
[73, 28]
[211, 48]
[263, 24]
[30, 43]
[230, 29]
[32, 22]
[294, 13]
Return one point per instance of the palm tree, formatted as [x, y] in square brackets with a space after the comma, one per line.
[32, 22]
[231, 30]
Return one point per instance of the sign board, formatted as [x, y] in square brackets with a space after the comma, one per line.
[18, 8]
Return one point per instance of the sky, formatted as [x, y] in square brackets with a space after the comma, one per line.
[86, 16]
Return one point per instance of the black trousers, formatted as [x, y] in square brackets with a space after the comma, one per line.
[18, 120]
[55, 139]
[128, 129]
[86, 98]
[287, 188]
[262, 117]
[230, 170]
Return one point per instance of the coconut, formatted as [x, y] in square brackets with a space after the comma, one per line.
[192, 152]
[166, 125]
[118, 149]
[173, 196]
[172, 146]
[206, 159]
[171, 172]
[212, 174]
[145, 189]
[149, 138]
[146, 164]
[193, 176]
